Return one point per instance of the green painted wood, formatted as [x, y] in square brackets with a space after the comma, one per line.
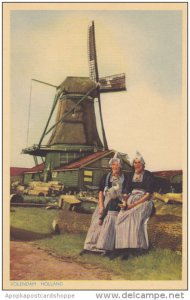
[68, 178]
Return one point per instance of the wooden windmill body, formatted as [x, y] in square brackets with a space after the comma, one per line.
[74, 134]
[79, 126]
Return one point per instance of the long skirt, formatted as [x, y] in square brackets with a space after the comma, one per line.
[94, 230]
[106, 240]
[131, 225]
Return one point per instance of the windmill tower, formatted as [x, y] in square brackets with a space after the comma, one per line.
[74, 134]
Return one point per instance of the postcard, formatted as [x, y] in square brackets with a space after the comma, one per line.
[95, 146]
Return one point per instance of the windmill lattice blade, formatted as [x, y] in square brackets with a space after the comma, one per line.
[112, 83]
[93, 67]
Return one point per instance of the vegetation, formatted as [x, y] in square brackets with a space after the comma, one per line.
[34, 225]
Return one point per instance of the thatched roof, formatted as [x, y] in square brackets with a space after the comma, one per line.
[79, 127]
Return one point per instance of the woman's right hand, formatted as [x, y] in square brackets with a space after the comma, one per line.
[101, 202]
[101, 209]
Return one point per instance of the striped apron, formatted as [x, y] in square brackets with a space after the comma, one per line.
[131, 225]
[94, 230]
[96, 233]
[106, 238]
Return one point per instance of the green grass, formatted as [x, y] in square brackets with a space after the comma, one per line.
[34, 224]
[37, 220]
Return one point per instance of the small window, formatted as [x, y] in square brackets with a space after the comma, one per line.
[87, 173]
[88, 179]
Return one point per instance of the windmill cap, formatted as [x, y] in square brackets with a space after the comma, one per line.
[78, 85]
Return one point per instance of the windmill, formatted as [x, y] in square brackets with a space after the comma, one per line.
[74, 134]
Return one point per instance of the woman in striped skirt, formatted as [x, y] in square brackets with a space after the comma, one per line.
[101, 234]
[131, 225]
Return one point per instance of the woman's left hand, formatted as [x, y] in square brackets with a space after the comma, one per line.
[129, 206]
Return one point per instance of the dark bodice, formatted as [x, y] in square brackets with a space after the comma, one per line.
[103, 182]
[146, 184]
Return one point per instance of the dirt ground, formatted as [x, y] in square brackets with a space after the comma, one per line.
[26, 256]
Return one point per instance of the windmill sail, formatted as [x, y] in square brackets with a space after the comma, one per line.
[94, 76]
[112, 83]
[93, 66]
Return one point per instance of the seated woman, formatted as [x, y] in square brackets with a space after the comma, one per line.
[131, 225]
[99, 237]
[114, 197]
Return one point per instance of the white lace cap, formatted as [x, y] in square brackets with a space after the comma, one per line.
[116, 158]
[139, 157]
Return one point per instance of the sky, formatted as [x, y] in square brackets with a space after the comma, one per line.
[146, 45]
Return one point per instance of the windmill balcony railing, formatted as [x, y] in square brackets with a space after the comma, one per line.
[34, 147]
